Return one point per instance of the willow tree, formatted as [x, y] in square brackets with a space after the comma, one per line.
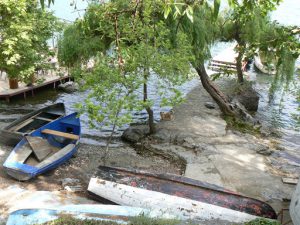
[249, 24]
[284, 44]
[198, 20]
[75, 48]
[164, 37]
[138, 48]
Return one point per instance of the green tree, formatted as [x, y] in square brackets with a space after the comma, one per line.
[248, 23]
[198, 20]
[75, 48]
[137, 49]
[25, 29]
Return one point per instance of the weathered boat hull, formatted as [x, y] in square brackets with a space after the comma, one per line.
[164, 204]
[11, 136]
[17, 166]
[262, 68]
[186, 188]
[120, 214]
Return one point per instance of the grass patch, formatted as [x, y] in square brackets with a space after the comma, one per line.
[262, 221]
[69, 220]
[139, 220]
[143, 220]
[236, 124]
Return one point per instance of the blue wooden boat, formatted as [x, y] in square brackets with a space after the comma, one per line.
[14, 132]
[44, 149]
[114, 213]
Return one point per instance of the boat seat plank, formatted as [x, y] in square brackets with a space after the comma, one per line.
[223, 62]
[43, 118]
[41, 148]
[61, 134]
[287, 180]
[19, 126]
[60, 154]
[23, 153]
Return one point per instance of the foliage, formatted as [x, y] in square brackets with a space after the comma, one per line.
[25, 29]
[69, 220]
[144, 220]
[236, 124]
[136, 48]
[76, 48]
[49, 3]
[204, 20]
[248, 23]
[262, 221]
[284, 46]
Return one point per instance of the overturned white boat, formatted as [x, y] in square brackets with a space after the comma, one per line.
[267, 69]
[180, 208]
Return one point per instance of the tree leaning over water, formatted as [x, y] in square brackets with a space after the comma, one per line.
[248, 23]
[198, 20]
[165, 38]
[127, 28]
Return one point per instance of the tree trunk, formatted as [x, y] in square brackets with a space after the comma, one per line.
[214, 92]
[13, 83]
[149, 111]
[239, 66]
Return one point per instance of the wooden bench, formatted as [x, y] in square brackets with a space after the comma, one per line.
[43, 118]
[61, 134]
[20, 126]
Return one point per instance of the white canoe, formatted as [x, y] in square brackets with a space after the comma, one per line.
[259, 65]
[180, 208]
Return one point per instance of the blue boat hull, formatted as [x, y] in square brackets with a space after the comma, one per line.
[23, 175]
[119, 214]
[23, 171]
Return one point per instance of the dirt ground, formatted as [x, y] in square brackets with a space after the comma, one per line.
[84, 164]
[80, 168]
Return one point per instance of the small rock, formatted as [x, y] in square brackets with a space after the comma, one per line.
[77, 188]
[69, 181]
[241, 110]
[260, 148]
[265, 152]
[69, 87]
[249, 98]
[71, 184]
[81, 82]
[162, 135]
[135, 134]
[209, 105]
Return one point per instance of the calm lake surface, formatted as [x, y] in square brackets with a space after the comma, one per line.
[282, 114]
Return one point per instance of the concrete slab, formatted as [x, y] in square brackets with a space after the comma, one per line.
[247, 173]
[205, 172]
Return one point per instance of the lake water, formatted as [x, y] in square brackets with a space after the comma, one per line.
[282, 114]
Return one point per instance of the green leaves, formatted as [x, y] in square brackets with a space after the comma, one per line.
[42, 2]
[25, 30]
[168, 10]
[132, 46]
[217, 4]
[189, 13]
